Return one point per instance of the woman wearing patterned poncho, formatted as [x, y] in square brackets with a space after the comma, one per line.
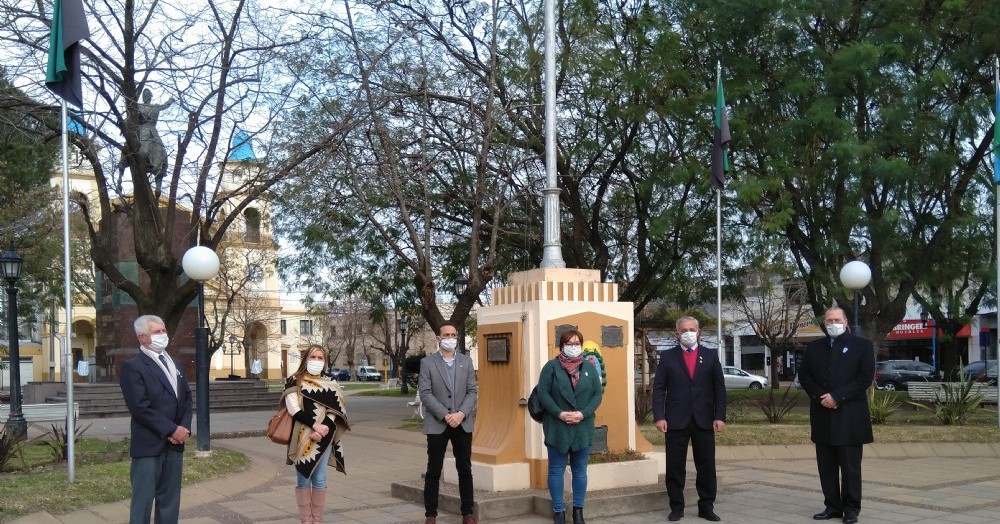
[317, 407]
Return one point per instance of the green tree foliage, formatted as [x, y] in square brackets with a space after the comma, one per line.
[28, 220]
[215, 69]
[859, 131]
[443, 174]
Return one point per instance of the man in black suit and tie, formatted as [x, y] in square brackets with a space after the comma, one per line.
[448, 392]
[835, 372]
[689, 405]
[159, 398]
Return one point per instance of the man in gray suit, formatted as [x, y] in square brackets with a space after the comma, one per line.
[448, 393]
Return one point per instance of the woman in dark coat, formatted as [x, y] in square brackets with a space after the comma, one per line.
[570, 390]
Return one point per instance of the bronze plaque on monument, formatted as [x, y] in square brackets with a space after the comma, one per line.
[612, 337]
[498, 348]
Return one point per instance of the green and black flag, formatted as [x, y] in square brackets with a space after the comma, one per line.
[720, 144]
[69, 28]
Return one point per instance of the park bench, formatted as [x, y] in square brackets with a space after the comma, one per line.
[418, 407]
[391, 383]
[41, 412]
[933, 391]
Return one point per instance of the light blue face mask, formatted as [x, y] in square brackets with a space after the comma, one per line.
[835, 330]
[572, 351]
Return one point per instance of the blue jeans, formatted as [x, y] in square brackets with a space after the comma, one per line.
[318, 479]
[577, 460]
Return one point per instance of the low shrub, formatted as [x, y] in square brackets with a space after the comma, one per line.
[955, 402]
[615, 456]
[774, 409]
[881, 406]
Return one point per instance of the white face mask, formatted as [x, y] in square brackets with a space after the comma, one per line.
[449, 344]
[835, 330]
[158, 342]
[572, 351]
[314, 367]
[689, 339]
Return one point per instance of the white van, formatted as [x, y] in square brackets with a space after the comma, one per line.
[367, 373]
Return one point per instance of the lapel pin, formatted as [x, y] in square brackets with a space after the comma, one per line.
[844, 351]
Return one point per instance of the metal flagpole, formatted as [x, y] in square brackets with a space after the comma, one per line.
[551, 244]
[67, 357]
[718, 245]
[996, 179]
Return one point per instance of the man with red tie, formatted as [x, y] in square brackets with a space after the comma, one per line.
[689, 405]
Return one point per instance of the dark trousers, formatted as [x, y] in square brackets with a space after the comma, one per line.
[461, 448]
[840, 476]
[703, 444]
[156, 478]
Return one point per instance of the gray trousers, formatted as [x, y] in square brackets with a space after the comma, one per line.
[156, 479]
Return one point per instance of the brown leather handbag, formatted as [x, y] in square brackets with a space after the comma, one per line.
[279, 429]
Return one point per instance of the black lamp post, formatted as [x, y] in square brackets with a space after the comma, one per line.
[924, 318]
[460, 285]
[401, 372]
[234, 349]
[16, 424]
[855, 275]
[201, 264]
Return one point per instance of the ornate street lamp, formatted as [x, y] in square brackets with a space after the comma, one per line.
[855, 275]
[924, 318]
[460, 286]
[234, 349]
[404, 388]
[16, 424]
[201, 264]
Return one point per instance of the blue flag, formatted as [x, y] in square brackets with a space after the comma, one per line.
[69, 28]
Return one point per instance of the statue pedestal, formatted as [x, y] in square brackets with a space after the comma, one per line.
[517, 335]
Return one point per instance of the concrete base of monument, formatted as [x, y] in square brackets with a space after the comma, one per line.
[616, 488]
[507, 504]
[610, 475]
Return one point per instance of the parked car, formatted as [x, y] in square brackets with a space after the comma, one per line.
[982, 371]
[367, 373]
[340, 375]
[893, 375]
[736, 378]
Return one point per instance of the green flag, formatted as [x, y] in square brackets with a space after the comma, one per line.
[720, 144]
[69, 28]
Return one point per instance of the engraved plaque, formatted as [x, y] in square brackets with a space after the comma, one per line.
[560, 329]
[498, 348]
[612, 337]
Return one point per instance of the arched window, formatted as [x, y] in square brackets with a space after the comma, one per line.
[251, 219]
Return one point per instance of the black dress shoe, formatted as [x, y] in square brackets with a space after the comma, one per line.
[828, 513]
[850, 518]
[675, 515]
[708, 514]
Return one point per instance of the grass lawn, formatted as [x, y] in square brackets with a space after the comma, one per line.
[747, 426]
[102, 475]
[375, 391]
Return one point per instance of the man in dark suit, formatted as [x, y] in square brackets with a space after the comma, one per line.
[448, 392]
[835, 372]
[159, 399]
[689, 405]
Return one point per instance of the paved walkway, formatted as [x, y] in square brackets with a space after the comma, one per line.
[943, 483]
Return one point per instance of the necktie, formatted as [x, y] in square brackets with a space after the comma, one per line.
[164, 360]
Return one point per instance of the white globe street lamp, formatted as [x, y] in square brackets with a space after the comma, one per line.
[201, 264]
[855, 275]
